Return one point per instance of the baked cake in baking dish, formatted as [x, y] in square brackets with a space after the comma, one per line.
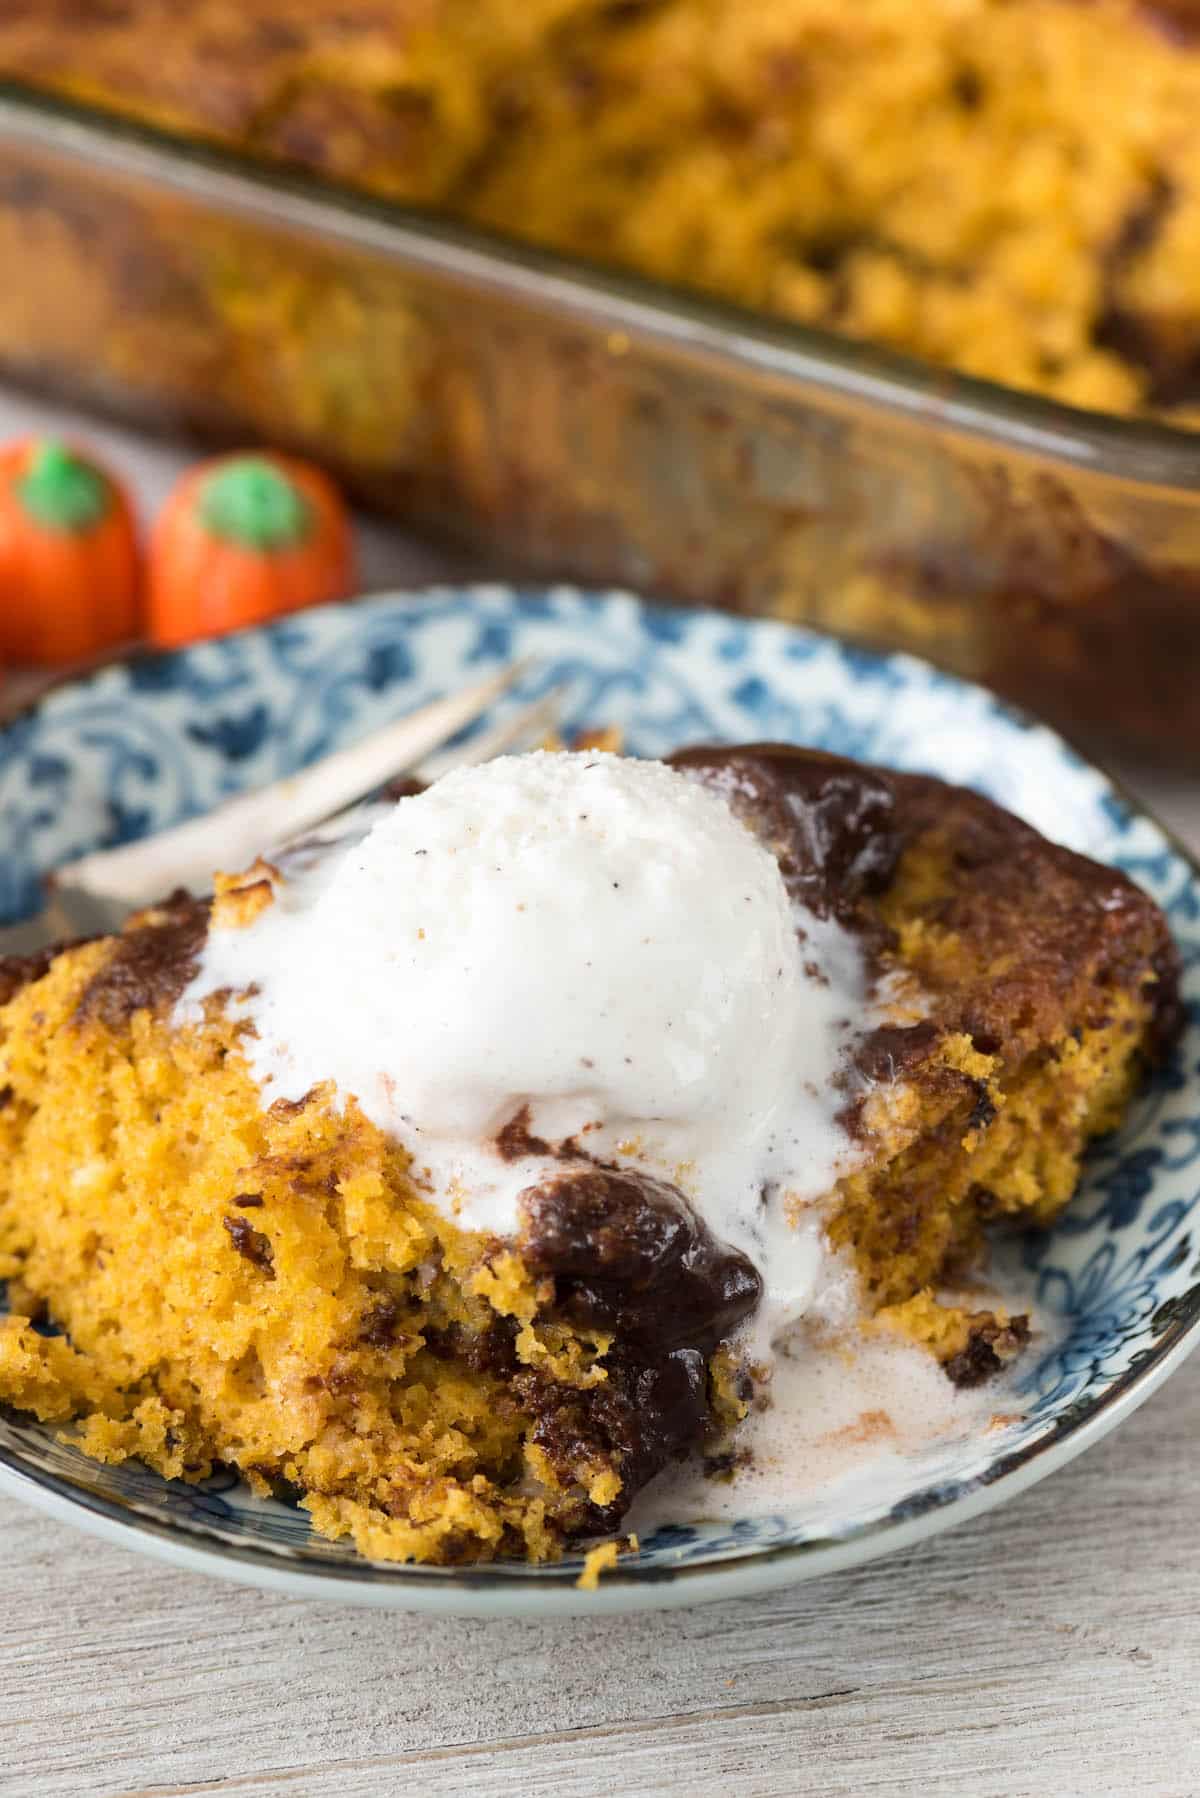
[460, 1171]
[1006, 187]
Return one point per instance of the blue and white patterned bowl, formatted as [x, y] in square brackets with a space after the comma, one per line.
[140, 745]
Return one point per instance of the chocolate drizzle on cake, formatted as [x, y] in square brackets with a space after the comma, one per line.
[630, 1257]
[1178, 20]
[151, 962]
[890, 1051]
[830, 824]
[251, 1243]
[516, 1140]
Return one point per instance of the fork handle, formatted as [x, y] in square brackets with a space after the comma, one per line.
[234, 833]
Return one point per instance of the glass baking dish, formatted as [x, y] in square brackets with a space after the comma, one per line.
[574, 423]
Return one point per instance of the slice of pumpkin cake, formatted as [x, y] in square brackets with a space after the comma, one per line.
[460, 1171]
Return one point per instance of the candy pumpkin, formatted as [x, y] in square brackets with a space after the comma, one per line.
[243, 539]
[68, 555]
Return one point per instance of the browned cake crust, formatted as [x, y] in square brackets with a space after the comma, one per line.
[392, 94]
[1041, 935]
[1044, 934]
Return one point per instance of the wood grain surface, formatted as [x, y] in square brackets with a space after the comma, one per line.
[1052, 1647]
[1049, 1650]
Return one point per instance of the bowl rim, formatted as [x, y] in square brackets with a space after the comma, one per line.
[495, 1590]
[512, 1589]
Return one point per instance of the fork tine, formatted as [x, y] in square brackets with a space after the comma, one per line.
[233, 834]
[528, 726]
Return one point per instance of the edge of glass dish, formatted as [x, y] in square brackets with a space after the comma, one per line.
[772, 356]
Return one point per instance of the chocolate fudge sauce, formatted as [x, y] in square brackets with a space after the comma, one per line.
[629, 1255]
[830, 824]
[150, 965]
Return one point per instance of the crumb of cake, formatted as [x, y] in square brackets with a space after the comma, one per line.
[44, 1375]
[991, 1343]
[240, 898]
[608, 740]
[600, 1560]
[597, 1560]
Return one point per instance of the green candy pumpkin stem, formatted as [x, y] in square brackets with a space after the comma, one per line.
[251, 502]
[61, 491]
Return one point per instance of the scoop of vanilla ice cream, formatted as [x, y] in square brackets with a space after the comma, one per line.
[552, 927]
[594, 936]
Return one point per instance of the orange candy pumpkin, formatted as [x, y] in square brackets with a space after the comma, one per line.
[243, 539]
[68, 555]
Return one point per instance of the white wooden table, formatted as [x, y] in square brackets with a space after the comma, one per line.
[1051, 1649]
